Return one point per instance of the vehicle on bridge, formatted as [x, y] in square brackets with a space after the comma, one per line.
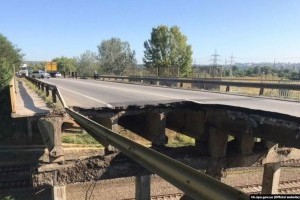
[23, 71]
[40, 74]
[57, 75]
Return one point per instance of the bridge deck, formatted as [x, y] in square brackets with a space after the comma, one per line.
[28, 103]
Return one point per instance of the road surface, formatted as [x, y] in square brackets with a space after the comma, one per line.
[93, 93]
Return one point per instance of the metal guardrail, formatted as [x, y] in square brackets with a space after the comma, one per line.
[261, 85]
[194, 183]
[45, 87]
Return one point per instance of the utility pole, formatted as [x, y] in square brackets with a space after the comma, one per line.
[231, 64]
[214, 62]
[224, 67]
[215, 58]
[231, 59]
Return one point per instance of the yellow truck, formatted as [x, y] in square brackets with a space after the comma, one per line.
[51, 68]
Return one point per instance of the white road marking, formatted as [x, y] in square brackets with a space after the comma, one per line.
[107, 104]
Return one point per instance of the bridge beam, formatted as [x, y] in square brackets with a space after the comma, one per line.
[269, 128]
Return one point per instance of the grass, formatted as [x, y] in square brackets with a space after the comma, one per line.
[178, 140]
[80, 138]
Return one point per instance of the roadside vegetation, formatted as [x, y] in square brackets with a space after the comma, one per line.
[10, 56]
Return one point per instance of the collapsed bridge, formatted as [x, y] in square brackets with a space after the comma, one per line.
[209, 124]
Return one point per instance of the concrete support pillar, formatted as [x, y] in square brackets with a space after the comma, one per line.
[29, 129]
[50, 128]
[245, 143]
[190, 123]
[217, 142]
[271, 178]
[142, 187]
[59, 193]
[179, 84]
[155, 128]
[157, 83]
[110, 124]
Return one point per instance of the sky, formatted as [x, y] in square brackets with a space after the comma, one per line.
[249, 30]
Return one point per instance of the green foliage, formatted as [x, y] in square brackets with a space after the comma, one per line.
[37, 66]
[10, 56]
[181, 140]
[8, 198]
[264, 71]
[65, 64]
[81, 138]
[87, 63]
[115, 56]
[168, 49]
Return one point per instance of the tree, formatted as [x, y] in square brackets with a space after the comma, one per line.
[65, 64]
[115, 56]
[87, 63]
[167, 48]
[10, 56]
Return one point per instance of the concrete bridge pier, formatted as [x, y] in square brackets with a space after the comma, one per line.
[155, 128]
[245, 143]
[217, 142]
[110, 123]
[50, 128]
[217, 146]
[149, 125]
[190, 123]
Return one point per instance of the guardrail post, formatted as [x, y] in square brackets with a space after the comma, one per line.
[43, 87]
[271, 178]
[47, 91]
[54, 91]
[142, 187]
[227, 88]
[261, 91]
